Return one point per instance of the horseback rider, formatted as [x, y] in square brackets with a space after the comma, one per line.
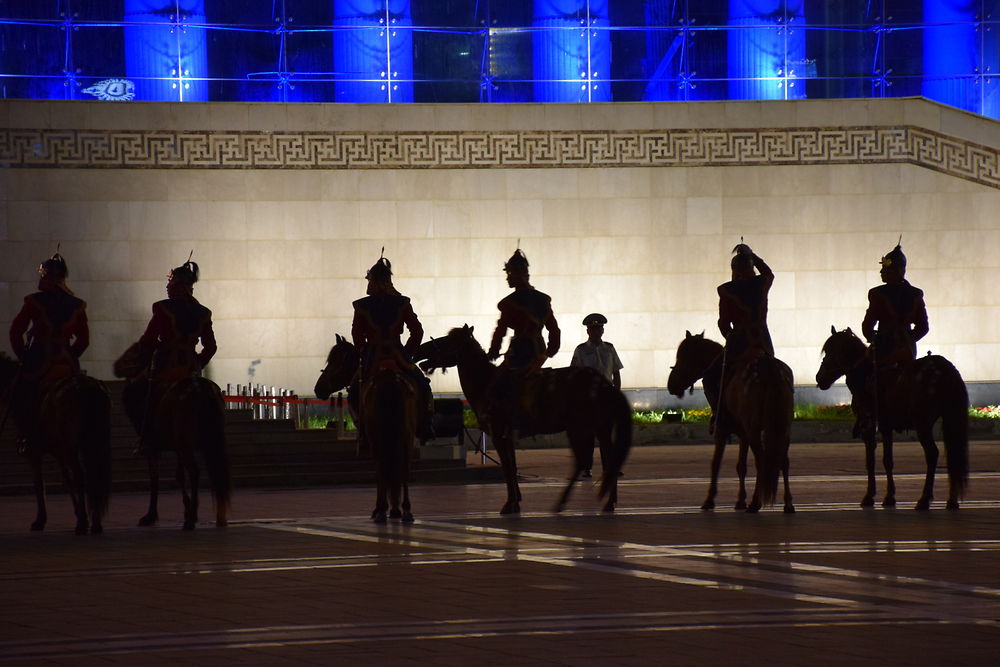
[379, 321]
[48, 336]
[178, 324]
[743, 307]
[525, 311]
[897, 307]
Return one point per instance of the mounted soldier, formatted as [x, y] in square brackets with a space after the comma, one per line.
[526, 312]
[168, 347]
[743, 307]
[379, 321]
[47, 335]
[898, 310]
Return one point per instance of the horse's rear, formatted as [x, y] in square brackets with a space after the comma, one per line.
[190, 418]
[75, 426]
[389, 407]
[929, 389]
[759, 398]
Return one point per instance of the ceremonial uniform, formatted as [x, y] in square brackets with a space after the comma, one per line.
[743, 308]
[525, 311]
[898, 310]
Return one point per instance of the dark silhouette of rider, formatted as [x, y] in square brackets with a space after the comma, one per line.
[896, 317]
[525, 311]
[379, 321]
[743, 307]
[48, 335]
[179, 323]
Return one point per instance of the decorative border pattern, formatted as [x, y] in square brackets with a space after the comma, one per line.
[166, 149]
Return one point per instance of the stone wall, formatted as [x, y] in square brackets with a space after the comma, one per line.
[627, 209]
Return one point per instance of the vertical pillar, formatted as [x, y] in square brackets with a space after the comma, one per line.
[766, 49]
[571, 51]
[165, 55]
[955, 59]
[373, 50]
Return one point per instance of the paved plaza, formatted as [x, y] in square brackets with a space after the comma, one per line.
[303, 577]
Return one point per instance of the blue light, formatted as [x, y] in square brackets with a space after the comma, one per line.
[953, 69]
[373, 50]
[166, 51]
[766, 49]
[571, 50]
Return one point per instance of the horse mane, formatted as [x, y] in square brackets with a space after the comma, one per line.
[846, 334]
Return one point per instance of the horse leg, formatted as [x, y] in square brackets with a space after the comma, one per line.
[608, 476]
[187, 472]
[42, 515]
[505, 448]
[152, 513]
[926, 437]
[72, 474]
[407, 513]
[379, 514]
[394, 492]
[870, 445]
[741, 472]
[887, 464]
[713, 486]
[789, 507]
[758, 461]
[577, 447]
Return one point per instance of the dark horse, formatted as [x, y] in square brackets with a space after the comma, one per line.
[756, 406]
[928, 389]
[576, 400]
[188, 418]
[388, 422]
[74, 427]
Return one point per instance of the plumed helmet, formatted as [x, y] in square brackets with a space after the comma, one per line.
[187, 273]
[594, 318]
[895, 259]
[517, 262]
[381, 270]
[742, 257]
[54, 267]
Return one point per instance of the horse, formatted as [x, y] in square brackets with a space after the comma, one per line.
[188, 417]
[579, 401]
[74, 426]
[926, 390]
[756, 406]
[389, 406]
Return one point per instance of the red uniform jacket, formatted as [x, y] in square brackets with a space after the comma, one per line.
[49, 334]
[173, 334]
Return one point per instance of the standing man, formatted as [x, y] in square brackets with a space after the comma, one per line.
[897, 307]
[600, 355]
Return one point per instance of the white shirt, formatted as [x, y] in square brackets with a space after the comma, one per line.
[602, 357]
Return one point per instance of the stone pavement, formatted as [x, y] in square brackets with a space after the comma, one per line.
[302, 576]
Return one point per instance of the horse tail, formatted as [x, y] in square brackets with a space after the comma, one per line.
[955, 432]
[96, 445]
[622, 441]
[212, 443]
[776, 412]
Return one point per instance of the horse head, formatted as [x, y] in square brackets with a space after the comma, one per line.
[447, 351]
[842, 351]
[132, 363]
[695, 355]
[341, 365]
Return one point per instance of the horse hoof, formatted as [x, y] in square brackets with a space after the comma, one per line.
[82, 530]
[96, 529]
[407, 517]
[889, 501]
[189, 525]
[868, 501]
[395, 514]
[708, 505]
[741, 505]
[923, 505]
[753, 509]
[511, 508]
[221, 523]
[380, 517]
[148, 520]
[38, 526]
[558, 508]
[789, 509]
[609, 508]
[951, 505]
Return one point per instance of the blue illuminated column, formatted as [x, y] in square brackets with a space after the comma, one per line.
[165, 55]
[955, 58]
[766, 49]
[572, 51]
[373, 50]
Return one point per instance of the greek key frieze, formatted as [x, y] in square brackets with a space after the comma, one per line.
[181, 149]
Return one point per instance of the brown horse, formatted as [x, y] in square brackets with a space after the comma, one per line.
[187, 416]
[74, 426]
[388, 422]
[576, 400]
[756, 406]
[922, 392]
